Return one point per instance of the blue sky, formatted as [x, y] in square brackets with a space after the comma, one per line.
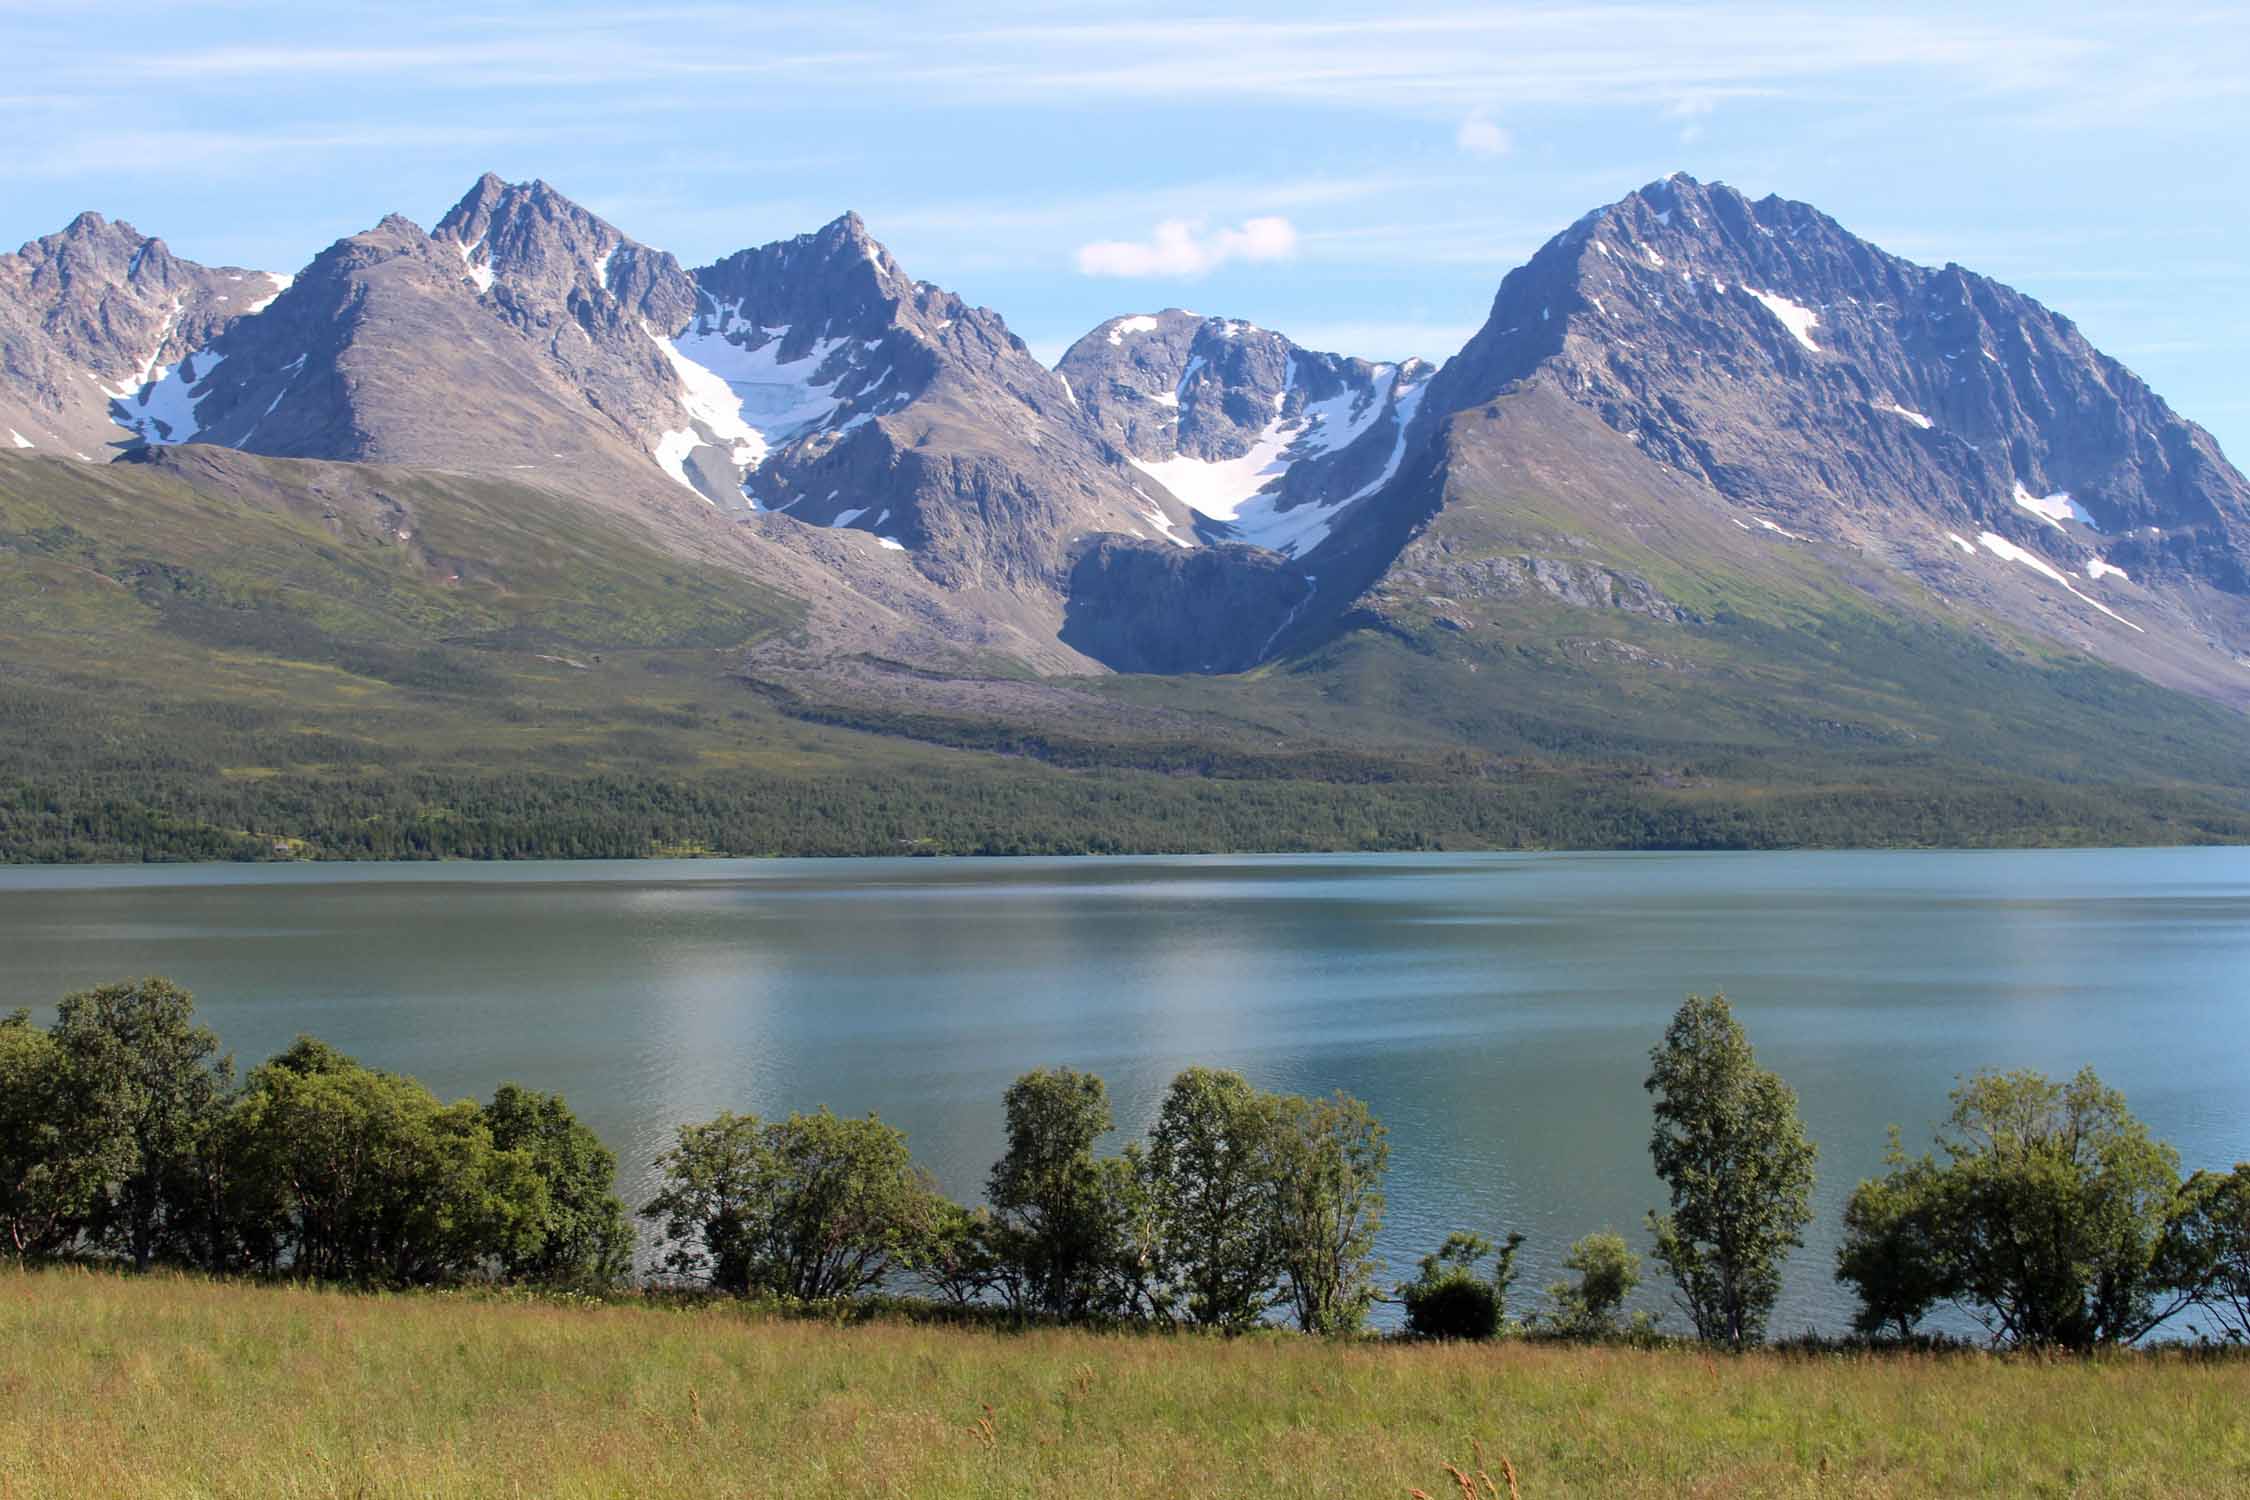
[1359, 181]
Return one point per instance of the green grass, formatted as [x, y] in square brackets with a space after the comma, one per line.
[163, 1387]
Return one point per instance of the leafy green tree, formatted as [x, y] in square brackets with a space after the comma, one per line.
[586, 1239]
[137, 1046]
[2046, 1219]
[349, 1174]
[1449, 1300]
[1730, 1147]
[1055, 1209]
[2206, 1253]
[1893, 1254]
[958, 1259]
[1211, 1168]
[1328, 1161]
[1608, 1271]
[813, 1206]
[60, 1144]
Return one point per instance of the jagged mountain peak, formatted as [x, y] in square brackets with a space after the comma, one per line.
[91, 314]
[1265, 439]
[1825, 385]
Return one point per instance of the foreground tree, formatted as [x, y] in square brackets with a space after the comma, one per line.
[2207, 1248]
[1211, 1169]
[585, 1238]
[338, 1172]
[136, 1048]
[1328, 1157]
[1729, 1145]
[1893, 1254]
[813, 1206]
[1056, 1238]
[2044, 1216]
[60, 1145]
[1608, 1271]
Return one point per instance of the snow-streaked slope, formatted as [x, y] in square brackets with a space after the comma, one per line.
[1238, 491]
[737, 387]
[2000, 546]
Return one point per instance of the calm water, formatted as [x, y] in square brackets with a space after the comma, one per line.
[1496, 1011]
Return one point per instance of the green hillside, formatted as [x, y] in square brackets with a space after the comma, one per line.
[264, 667]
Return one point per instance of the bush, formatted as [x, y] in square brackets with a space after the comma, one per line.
[1608, 1271]
[1450, 1301]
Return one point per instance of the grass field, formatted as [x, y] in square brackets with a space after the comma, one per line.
[114, 1386]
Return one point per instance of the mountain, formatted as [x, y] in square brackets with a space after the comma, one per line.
[849, 395]
[95, 315]
[1727, 527]
[1692, 381]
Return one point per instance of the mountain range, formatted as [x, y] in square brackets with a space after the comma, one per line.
[1716, 481]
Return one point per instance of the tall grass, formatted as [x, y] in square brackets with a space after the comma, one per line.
[117, 1386]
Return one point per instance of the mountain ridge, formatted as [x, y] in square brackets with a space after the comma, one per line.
[1715, 479]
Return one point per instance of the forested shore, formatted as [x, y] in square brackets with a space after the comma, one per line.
[2043, 1211]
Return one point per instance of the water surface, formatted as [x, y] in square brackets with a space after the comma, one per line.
[1495, 1010]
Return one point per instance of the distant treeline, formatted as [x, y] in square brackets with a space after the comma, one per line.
[2046, 1211]
[167, 813]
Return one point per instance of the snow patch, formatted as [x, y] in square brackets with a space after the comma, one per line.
[2000, 546]
[481, 275]
[1962, 542]
[1799, 320]
[749, 399]
[164, 411]
[2054, 509]
[2100, 568]
[19, 439]
[1123, 326]
[1915, 417]
[892, 543]
[280, 284]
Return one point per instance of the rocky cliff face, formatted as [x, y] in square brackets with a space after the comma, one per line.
[1269, 443]
[849, 395]
[1830, 388]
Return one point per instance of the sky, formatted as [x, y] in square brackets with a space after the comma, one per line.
[1358, 181]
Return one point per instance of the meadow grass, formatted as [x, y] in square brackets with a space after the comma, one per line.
[169, 1386]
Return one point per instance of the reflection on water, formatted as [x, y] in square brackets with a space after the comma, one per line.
[1496, 1011]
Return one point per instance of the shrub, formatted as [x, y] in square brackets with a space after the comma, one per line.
[1450, 1301]
[1608, 1271]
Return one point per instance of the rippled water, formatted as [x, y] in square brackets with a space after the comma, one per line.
[1495, 1010]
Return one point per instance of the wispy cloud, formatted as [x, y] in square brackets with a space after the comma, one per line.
[1479, 136]
[1179, 248]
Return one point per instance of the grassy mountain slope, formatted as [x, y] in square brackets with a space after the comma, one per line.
[255, 661]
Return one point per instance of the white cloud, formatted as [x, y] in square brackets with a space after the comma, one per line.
[1181, 248]
[1481, 137]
